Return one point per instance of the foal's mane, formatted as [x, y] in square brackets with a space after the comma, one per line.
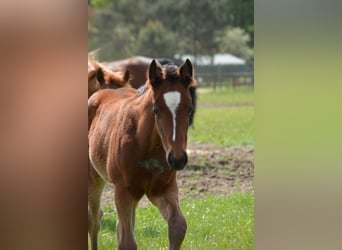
[171, 72]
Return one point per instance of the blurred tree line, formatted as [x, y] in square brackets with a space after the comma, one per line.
[124, 28]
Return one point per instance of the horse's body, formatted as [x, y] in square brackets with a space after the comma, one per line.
[137, 67]
[137, 141]
[100, 77]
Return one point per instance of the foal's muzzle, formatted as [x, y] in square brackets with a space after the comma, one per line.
[177, 163]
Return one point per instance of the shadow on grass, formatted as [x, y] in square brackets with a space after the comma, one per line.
[150, 232]
[108, 224]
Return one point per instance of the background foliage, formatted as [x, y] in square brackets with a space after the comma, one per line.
[124, 28]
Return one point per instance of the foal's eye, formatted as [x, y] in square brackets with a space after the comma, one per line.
[155, 110]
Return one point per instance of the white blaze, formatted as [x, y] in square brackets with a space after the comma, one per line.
[172, 100]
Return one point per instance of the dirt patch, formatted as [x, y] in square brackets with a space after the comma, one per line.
[212, 170]
[217, 170]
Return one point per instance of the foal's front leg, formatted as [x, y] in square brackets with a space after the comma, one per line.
[168, 206]
[125, 206]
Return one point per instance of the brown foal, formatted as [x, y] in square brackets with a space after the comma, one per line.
[137, 141]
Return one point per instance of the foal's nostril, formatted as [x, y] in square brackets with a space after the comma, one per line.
[170, 160]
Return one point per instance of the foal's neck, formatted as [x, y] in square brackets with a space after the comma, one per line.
[147, 135]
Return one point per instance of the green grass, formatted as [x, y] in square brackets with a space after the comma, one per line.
[213, 223]
[226, 95]
[224, 124]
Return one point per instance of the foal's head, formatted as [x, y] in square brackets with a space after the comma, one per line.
[172, 107]
[99, 77]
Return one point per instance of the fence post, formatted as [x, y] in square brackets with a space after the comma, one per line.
[219, 76]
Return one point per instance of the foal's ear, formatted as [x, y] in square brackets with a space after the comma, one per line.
[155, 73]
[126, 76]
[100, 76]
[186, 73]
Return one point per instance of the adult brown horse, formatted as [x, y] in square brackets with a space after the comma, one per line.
[137, 141]
[137, 66]
[100, 77]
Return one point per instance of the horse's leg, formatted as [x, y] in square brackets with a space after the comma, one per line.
[168, 206]
[125, 206]
[95, 188]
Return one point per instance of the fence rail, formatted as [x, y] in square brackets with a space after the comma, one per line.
[221, 78]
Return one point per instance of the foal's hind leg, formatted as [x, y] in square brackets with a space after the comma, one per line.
[125, 206]
[168, 206]
[95, 188]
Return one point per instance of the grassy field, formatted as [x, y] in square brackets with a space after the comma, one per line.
[213, 223]
[225, 95]
[224, 117]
